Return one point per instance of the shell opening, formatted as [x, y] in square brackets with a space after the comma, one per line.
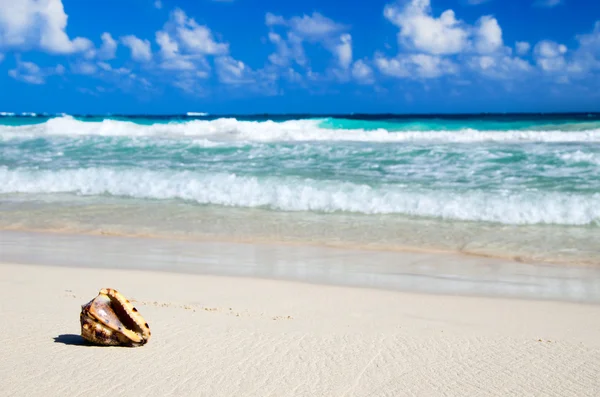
[127, 321]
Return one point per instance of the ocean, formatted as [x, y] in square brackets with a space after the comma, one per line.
[525, 187]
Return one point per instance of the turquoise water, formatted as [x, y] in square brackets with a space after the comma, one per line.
[486, 124]
[540, 173]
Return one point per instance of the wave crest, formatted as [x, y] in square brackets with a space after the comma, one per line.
[231, 129]
[295, 194]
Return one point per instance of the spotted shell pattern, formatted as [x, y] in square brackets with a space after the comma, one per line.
[111, 320]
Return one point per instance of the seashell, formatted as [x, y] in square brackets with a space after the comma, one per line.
[111, 320]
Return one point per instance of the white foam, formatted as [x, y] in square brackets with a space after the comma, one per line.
[229, 129]
[580, 157]
[294, 194]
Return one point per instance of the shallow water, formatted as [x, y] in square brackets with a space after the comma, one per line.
[521, 187]
[175, 219]
[401, 271]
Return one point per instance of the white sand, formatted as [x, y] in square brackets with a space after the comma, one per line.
[221, 336]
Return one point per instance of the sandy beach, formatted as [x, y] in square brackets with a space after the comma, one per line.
[245, 336]
[234, 198]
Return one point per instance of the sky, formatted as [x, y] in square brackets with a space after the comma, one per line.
[309, 56]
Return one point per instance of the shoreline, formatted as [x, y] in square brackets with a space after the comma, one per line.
[223, 336]
[300, 243]
[426, 273]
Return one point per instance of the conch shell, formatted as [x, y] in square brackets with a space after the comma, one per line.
[111, 320]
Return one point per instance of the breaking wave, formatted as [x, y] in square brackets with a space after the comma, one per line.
[296, 194]
[231, 129]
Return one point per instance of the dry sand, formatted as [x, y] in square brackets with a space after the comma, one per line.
[225, 336]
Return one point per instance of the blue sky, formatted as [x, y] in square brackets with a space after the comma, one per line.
[251, 56]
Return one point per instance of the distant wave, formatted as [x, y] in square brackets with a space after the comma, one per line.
[230, 129]
[201, 114]
[7, 114]
[294, 194]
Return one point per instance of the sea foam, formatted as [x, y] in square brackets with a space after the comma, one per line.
[296, 194]
[580, 157]
[230, 129]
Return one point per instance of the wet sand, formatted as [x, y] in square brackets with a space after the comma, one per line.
[422, 272]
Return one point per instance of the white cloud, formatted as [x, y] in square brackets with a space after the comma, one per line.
[282, 55]
[140, 49]
[586, 58]
[105, 66]
[272, 19]
[522, 47]
[86, 68]
[485, 62]
[38, 23]
[550, 56]
[344, 51]
[548, 3]
[291, 75]
[499, 66]
[565, 64]
[28, 72]
[193, 37]
[232, 71]
[415, 66]
[287, 50]
[158, 4]
[191, 83]
[184, 47]
[122, 77]
[313, 29]
[436, 46]
[550, 49]
[109, 47]
[181, 63]
[31, 73]
[592, 40]
[168, 47]
[421, 31]
[488, 35]
[362, 72]
[108, 68]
